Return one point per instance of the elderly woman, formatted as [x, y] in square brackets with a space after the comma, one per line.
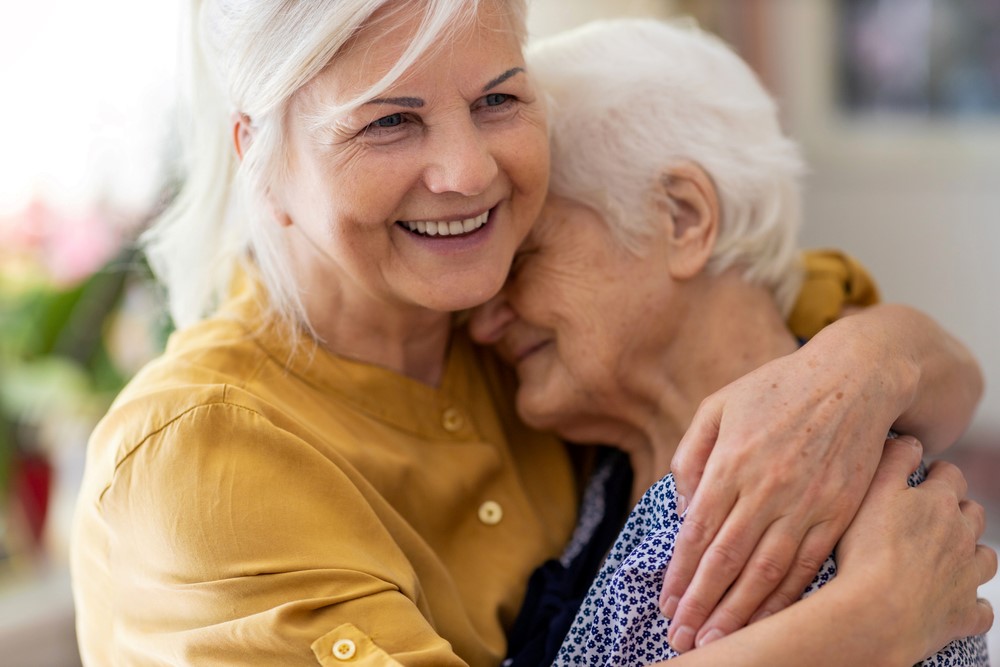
[658, 273]
[321, 467]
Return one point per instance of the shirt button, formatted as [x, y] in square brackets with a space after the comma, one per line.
[344, 649]
[452, 420]
[490, 513]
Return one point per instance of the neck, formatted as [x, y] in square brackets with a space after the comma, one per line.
[724, 329]
[411, 342]
[354, 323]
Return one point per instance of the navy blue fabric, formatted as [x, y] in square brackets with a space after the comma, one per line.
[558, 587]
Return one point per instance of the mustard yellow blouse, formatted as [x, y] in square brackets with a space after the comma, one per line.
[247, 504]
[244, 505]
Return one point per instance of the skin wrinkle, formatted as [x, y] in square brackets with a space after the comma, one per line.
[454, 155]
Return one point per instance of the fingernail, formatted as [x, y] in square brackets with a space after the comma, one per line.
[710, 637]
[759, 616]
[669, 607]
[683, 639]
[682, 504]
[908, 439]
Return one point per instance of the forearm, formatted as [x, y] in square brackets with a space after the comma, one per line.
[833, 627]
[931, 383]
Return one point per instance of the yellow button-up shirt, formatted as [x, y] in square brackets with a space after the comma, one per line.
[247, 504]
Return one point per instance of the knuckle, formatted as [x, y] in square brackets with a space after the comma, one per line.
[783, 598]
[768, 570]
[696, 610]
[729, 619]
[808, 563]
[984, 618]
[696, 531]
[947, 467]
[991, 562]
[725, 558]
[680, 463]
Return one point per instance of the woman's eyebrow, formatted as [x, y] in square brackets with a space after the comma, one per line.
[417, 102]
[408, 102]
[503, 77]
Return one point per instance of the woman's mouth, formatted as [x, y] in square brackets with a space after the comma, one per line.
[446, 227]
[523, 353]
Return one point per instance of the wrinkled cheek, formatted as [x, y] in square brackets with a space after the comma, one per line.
[530, 165]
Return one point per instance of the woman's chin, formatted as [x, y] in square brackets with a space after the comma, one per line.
[542, 415]
[462, 292]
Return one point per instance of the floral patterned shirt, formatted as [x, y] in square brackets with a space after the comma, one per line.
[619, 622]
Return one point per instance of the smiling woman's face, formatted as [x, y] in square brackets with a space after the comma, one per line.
[576, 316]
[420, 197]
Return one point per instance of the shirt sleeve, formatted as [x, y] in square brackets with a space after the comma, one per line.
[232, 542]
[833, 281]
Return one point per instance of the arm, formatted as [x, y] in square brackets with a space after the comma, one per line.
[234, 543]
[942, 380]
[803, 432]
[873, 613]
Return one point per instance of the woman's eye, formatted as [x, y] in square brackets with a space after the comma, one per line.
[386, 126]
[496, 99]
[496, 102]
[388, 121]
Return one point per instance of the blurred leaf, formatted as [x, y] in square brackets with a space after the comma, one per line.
[29, 390]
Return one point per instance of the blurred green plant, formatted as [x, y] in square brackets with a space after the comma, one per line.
[55, 361]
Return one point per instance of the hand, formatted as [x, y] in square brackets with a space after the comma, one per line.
[915, 551]
[775, 465]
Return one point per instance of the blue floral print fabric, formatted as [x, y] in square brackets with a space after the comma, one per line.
[619, 622]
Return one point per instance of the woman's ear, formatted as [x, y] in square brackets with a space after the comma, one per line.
[692, 218]
[242, 134]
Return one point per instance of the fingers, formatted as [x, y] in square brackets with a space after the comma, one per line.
[723, 561]
[900, 457]
[984, 617]
[942, 472]
[986, 561]
[813, 552]
[975, 514]
[691, 456]
[770, 566]
[777, 572]
[701, 525]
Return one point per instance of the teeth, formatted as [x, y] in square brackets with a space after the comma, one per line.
[453, 228]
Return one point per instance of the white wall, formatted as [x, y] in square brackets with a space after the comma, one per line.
[917, 201]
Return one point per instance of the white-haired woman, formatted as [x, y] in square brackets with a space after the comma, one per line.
[321, 467]
[673, 212]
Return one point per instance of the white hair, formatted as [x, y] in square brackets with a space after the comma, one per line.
[250, 57]
[632, 98]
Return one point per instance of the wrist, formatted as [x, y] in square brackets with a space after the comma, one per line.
[869, 352]
[871, 612]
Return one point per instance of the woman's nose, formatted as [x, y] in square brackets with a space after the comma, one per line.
[489, 321]
[462, 161]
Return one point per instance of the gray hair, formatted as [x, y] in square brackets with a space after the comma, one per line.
[251, 57]
[632, 98]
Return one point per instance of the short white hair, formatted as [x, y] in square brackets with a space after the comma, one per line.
[250, 57]
[632, 98]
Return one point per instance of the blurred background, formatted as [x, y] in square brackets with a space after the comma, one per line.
[895, 102]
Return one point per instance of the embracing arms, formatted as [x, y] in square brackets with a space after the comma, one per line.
[761, 516]
[908, 570]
